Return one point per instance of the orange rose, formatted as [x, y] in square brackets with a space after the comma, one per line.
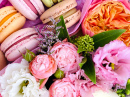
[108, 15]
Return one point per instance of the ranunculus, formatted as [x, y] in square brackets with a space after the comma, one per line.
[43, 66]
[112, 63]
[66, 56]
[63, 88]
[18, 82]
[105, 15]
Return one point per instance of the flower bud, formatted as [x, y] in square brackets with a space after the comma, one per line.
[29, 56]
[59, 74]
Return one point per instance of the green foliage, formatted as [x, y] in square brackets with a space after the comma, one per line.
[63, 31]
[89, 69]
[84, 60]
[123, 92]
[105, 37]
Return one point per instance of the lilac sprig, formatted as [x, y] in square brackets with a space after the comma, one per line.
[48, 36]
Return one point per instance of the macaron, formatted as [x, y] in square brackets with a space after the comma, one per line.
[29, 8]
[67, 9]
[10, 21]
[18, 42]
[3, 61]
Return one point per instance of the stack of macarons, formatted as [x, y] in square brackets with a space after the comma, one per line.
[13, 39]
[10, 21]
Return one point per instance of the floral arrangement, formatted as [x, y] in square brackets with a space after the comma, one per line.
[77, 66]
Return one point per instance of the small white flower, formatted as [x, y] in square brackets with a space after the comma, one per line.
[18, 82]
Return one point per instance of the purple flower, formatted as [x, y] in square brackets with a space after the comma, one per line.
[112, 63]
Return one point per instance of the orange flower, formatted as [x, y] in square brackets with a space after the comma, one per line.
[106, 16]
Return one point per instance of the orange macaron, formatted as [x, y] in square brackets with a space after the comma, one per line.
[10, 21]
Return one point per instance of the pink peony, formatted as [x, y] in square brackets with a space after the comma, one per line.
[85, 86]
[63, 88]
[42, 66]
[66, 56]
[112, 63]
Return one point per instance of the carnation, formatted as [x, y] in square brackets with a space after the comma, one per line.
[18, 82]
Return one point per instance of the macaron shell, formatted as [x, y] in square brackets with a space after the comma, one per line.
[23, 8]
[16, 51]
[71, 20]
[6, 11]
[38, 5]
[18, 42]
[11, 25]
[3, 61]
[16, 36]
[58, 10]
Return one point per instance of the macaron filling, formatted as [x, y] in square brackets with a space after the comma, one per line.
[31, 6]
[6, 18]
[24, 38]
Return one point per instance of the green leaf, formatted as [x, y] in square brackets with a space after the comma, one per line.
[89, 69]
[63, 31]
[84, 60]
[105, 37]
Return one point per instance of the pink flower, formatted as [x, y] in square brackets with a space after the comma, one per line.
[43, 66]
[63, 88]
[112, 63]
[66, 56]
[85, 86]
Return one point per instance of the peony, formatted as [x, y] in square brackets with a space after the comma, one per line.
[86, 87]
[112, 63]
[66, 56]
[105, 15]
[18, 82]
[63, 88]
[42, 66]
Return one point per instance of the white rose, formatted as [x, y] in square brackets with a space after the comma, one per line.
[18, 82]
[101, 93]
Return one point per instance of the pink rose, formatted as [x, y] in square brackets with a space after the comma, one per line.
[63, 88]
[112, 63]
[66, 56]
[43, 66]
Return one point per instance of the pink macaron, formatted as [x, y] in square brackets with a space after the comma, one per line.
[18, 42]
[29, 8]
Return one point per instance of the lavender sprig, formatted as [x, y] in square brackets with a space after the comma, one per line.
[48, 36]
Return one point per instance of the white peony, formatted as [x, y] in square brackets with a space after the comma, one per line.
[18, 82]
[101, 93]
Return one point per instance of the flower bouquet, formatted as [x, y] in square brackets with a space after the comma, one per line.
[95, 64]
